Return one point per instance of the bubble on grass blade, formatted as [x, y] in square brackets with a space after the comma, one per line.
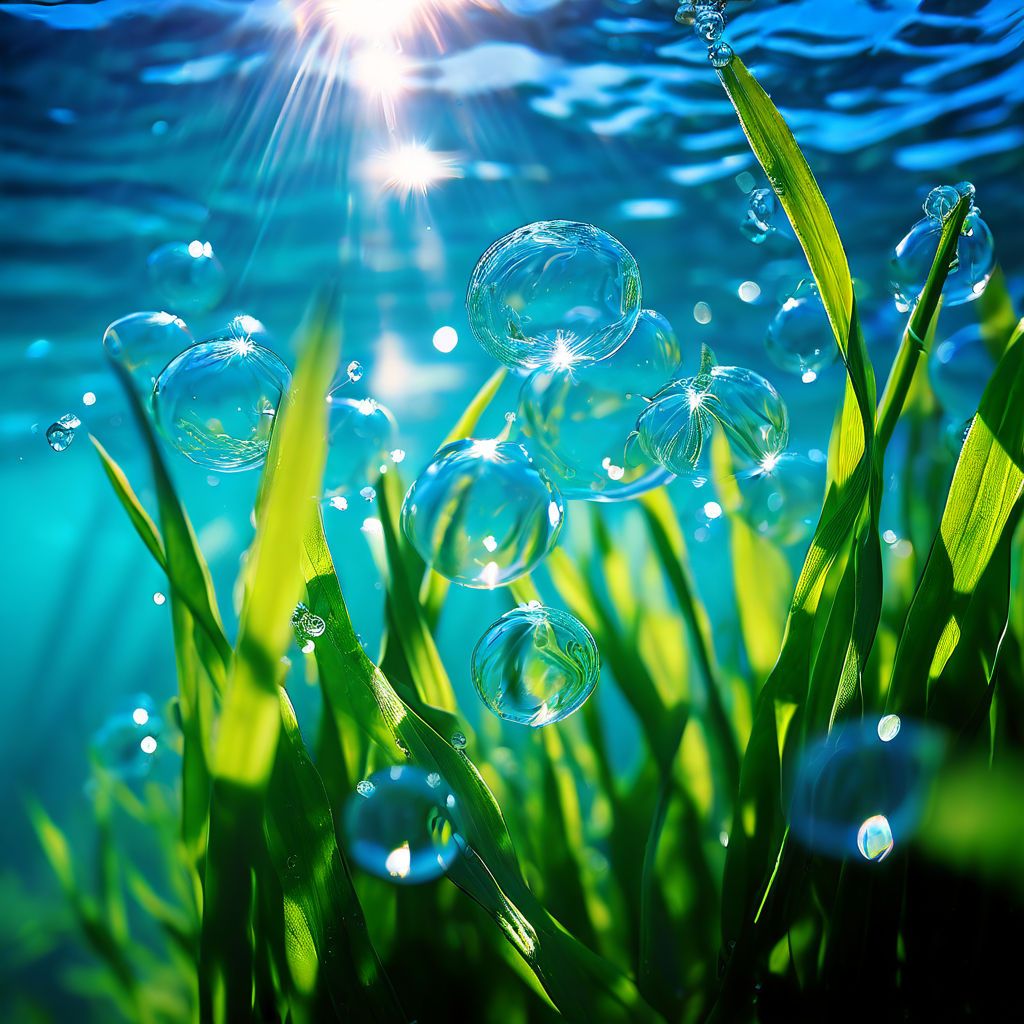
[535, 665]
[800, 338]
[482, 513]
[874, 838]
[130, 739]
[360, 434]
[306, 624]
[60, 434]
[720, 54]
[959, 368]
[781, 499]
[188, 275]
[144, 343]
[852, 775]
[402, 825]
[554, 294]
[578, 423]
[459, 740]
[216, 402]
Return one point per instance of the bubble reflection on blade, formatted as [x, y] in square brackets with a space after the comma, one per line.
[188, 276]
[577, 423]
[402, 825]
[554, 294]
[482, 514]
[846, 779]
[360, 434]
[216, 402]
[535, 665]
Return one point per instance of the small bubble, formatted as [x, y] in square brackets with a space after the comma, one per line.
[89, 398]
[367, 493]
[339, 503]
[459, 740]
[702, 313]
[709, 25]
[433, 780]
[874, 839]
[59, 435]
[939, 203]
[445, 339]
[365, 788]
[888, 727]
[158, 598]
[720, 55]
[398, 455]
[354, 371]
[308, 647]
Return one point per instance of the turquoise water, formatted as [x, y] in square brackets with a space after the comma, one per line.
[133, 124]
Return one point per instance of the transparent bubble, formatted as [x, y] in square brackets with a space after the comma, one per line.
[144, 343]
[762, 207]
[367, 493]
[554, 294]
[674, 427]
[959, 369]
[216, 402]
[402, 828]
[750, 411]
[360, 433]
[481, 513]
[968, 274]
[578, 423]
[888, 727]
[59, 435]
[535, 665]
[846, 779]
[782, 499]
[939, 203]
[187, 275]
[130, 739]
[800, 338]
[709, 25]
[459, 740]
[354, 371]
[306, 624]
[874, 838]
[720, 55]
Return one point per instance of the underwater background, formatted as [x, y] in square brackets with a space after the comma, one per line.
[130, 124]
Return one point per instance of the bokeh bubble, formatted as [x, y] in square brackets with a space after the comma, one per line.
[402, 825]
[360, 435]
[781, 499]
[482, 513]
[127, 744]
[144, 343]
[535, 665]
[216, 402]
[577, 423]
[188, 275]
[846, 779]
[800, 338]
[959, 369]
[554, 294]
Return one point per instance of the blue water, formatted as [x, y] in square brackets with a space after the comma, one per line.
[127, 124]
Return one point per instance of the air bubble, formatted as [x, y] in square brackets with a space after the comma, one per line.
[59, 435]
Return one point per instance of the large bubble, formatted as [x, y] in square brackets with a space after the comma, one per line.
[360, 434]
[554, 294]
[535, 665]
[800, 338]
[577, 423]
[144, 343]
[130, 739]
[217, 401]
[782, 498]
[188, 276]
[402, 825]
[959, 369]
[482, 514]
[975, 252]
[846, 781]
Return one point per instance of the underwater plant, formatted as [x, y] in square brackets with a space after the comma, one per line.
[701, 888]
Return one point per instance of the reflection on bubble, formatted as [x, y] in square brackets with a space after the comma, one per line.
[535, 665]
[874, 838]
[800, 338]
[782, 500]
[144, 343]
[126, 744]
[401, 825]
[844, 782]
[959, 368]
[216, 402]
[360, 433]
[554, 294]
[481, 513]
[888, 727]
[59, 435]
[577, 423]
[189, 277]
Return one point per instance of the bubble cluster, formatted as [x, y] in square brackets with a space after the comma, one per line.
[800, 338]
[216, 402]
[360, 434]
[402, 825]
[972, 266]
[578, 423]
[144, 343]
[127, 743]
[535, 665]
[188, 276]
[554, 294]
[60, 434]
[959, 368]
[482, 514]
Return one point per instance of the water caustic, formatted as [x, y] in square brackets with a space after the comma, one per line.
[360, 435]
[482, 513]
[554, 294]
[187, 275]
[800, 338]
[216, 402]
[144, 343]
[577, 423]
[402, 825]
[127, 743]
[535, 665]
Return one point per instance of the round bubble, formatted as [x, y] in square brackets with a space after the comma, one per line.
[216, 402]
[888, 727]
[874, 838]
[127, 744]
[674, 427]
[188, 275]
[60, 434]
[750, 411]
[968, 275]
[402, 825]
[482, 514]
[800, 338]
[535, 665]
[959, 368]
[851, 776]
[360, 435]
[782, 498]
[144, 343]
[578, 423]
[554, 294]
